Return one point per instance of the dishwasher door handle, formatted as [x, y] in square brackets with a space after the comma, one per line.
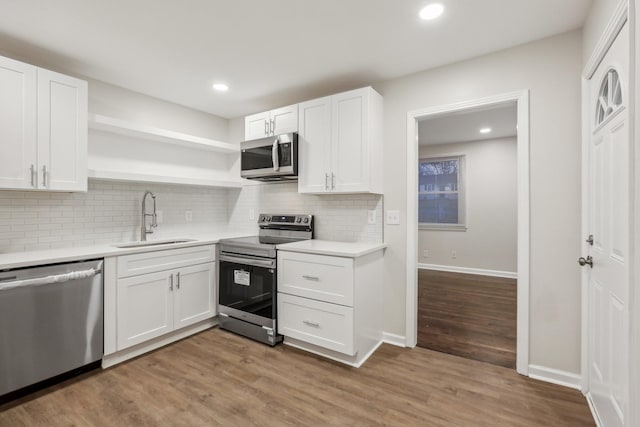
[48, 280]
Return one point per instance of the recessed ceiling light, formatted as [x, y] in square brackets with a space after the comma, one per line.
[220, 87]
[431, 11]
[485, 130]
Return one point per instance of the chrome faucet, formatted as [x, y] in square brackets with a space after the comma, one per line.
[143, 229]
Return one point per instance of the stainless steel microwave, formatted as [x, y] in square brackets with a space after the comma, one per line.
[274, 158]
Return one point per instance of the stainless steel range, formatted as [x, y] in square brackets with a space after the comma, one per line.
[248, 278]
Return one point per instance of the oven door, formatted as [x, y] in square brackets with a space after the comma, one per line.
[247, 288]
[269, 157]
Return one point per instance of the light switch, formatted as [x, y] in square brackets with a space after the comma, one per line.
[188, 216]
[393, 217]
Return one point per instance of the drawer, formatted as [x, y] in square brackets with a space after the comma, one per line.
[326, 325]
[149, 262]
[320, 277]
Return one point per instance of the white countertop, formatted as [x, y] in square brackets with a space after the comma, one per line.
[51, 256]
[327, 247]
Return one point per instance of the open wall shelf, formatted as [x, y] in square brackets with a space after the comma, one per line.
[104, 175]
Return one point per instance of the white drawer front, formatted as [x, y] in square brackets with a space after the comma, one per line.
[320, 323]
[323, 278]
[149, 262]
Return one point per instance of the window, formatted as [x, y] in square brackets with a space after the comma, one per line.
[609, 97]
[440, 193]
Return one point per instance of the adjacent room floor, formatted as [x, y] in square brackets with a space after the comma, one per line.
[217, 378]
[468, 315]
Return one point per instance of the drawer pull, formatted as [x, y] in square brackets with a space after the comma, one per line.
[310, 323]
[316, 278]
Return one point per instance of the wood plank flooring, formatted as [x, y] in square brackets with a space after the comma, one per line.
[217, 378]
[468, 315]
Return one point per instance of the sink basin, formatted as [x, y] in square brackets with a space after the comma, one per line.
[141, 244]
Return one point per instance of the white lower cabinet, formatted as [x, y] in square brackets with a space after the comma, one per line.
[331, 305]
[158, 294]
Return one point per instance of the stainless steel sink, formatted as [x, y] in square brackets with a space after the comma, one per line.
[141, 244]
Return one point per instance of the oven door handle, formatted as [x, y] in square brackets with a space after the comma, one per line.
[266, 263]
[275, 155]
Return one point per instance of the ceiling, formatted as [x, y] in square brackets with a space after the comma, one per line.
[270, 53]
[465, 126]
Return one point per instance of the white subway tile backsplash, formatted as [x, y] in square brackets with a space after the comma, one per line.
[110, 212]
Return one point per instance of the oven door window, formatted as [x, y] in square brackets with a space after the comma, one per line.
[248, 288]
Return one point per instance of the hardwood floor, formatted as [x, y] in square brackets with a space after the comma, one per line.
[468, 315]
[217, 378]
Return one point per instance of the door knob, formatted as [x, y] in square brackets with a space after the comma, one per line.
[584, 261]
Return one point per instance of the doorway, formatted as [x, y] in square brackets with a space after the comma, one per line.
[414, 118]
[467, 233]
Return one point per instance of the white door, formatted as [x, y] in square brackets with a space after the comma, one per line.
[350, 155]
[314, 146]
[608, 222]
[284, 120]
[18, 160]
[195, 297]
[256, 126]
[145, 307]
[62, 132]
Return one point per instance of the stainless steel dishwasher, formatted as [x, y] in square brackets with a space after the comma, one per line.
[51, 321]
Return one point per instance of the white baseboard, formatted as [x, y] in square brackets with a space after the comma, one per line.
[594, 414]
[394, 339]
[555, 376]
[467, 270]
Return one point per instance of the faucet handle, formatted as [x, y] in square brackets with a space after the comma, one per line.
[154, 221]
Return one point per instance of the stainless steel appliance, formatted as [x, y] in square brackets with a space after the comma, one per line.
[274, 158]
[51, 321]
[248, 276]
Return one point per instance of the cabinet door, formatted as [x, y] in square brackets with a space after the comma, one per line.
[17, 124]
[256, 126]
[284, 120]
[195, 295]
[145, 307]
[62, 132]
[350, 149]
[314, 146]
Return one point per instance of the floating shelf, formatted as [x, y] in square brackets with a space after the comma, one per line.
[138, 177]
[122, 127]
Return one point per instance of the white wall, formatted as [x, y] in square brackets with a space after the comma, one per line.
[550, 70]
[490, 241]
[635, 293]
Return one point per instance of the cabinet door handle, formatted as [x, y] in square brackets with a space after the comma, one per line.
[44, 175]
[326, 181]
[34, 176]
[316, 278]
[171, 282]
[177, 280]
[333, 181]
[266, 127]
[310, 323]
[272, 126]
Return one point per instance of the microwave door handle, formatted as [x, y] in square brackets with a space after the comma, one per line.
[274, 155]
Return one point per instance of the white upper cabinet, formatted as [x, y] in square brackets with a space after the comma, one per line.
[269, 123]
[43, 126]
[18, 118]
[340, 143]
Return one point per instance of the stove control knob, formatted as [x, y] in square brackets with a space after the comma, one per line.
[306, 220]
[298, 219]
[268, 218]
[261, 218]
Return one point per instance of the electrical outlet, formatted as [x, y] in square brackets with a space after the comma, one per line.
[425, 254]
[454, 254]
[159, 217]
[252, 214]
[371, 217]
[393, 217]
[188, 216]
